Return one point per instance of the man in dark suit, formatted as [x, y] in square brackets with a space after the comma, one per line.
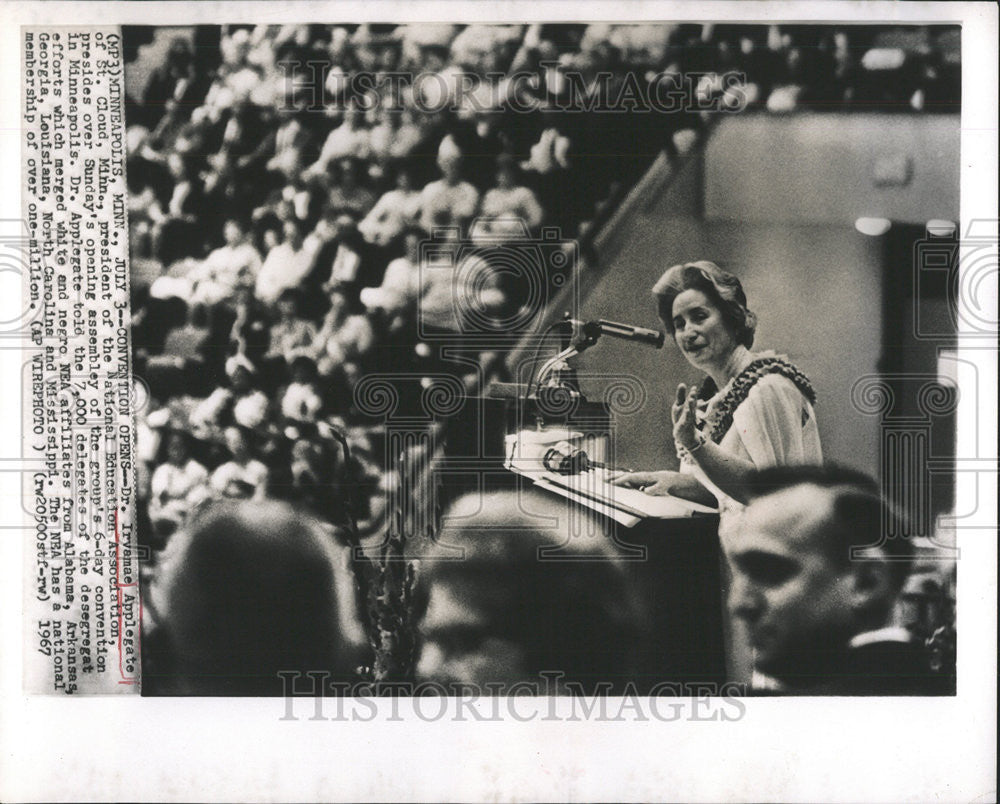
[818, 564]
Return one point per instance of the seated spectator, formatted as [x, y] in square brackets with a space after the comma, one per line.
[345, 337]
[486, 48]
[144, 212]
[504, 611]
[347, 193]
[449, 201]
[236, 82]
[296, 43]
[309, 480]
[240, 403]
[216, 278]
[397, 296]
[290, 141]
[294, 201]
[439, 87]
[816, 580]
[178, 484]
[509, 201]
[465, 297]
[174, 81]
[478, 137]
[291, 336]
[391, 214]
[250, 332]
[354, 265]
[243, 476]
[396, 135]
[186, 195]
[192, 139]
[245, 135]
[229, 190]
[248, 591]
[301, 401]
[350, 138]
[287, 264]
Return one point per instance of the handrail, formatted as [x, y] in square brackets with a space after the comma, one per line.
[602, 230]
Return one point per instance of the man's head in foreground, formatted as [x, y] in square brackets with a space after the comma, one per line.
[812, 570]
[513, 594]
[248, 590]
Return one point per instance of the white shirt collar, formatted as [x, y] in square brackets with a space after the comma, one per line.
[891, 633]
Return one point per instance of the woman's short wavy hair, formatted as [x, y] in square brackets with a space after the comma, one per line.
[722, 288]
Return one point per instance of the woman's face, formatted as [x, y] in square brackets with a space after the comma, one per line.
[700, 332]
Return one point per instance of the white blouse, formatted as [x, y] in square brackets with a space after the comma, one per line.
[774, 426]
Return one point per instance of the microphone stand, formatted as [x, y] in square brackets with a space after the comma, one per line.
[589, 333]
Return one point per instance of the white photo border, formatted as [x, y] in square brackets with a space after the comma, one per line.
[127, 747]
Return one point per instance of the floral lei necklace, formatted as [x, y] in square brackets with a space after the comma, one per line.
[717, 423]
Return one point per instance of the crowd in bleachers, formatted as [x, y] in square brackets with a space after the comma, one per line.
[277, 212]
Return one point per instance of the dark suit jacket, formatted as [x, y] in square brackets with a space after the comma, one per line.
[883, 667]
[891, 668]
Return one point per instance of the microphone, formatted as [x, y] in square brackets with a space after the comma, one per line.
[626, 332]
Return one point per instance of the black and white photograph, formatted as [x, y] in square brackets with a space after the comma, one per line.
[364, 262]
[480, 403]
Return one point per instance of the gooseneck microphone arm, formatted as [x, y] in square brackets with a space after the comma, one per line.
[590, 331]
[650, 337]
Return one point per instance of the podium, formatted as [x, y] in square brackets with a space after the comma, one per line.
[669, 547]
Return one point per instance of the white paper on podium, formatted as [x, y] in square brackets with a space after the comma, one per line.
[620, 516]
[626, 506]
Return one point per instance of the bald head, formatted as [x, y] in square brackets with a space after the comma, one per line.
[798, 517]
[853, 519]
[810, 566]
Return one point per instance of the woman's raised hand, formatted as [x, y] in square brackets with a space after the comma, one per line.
[684, 415]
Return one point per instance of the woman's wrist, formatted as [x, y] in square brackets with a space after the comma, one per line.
[689, 449]
[699, 442]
